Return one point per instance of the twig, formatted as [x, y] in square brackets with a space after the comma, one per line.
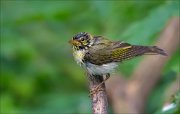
[99, 99]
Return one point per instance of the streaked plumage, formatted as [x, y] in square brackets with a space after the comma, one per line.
[99, 55]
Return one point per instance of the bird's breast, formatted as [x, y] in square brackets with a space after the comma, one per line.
[101, 69]
[93, 68]
[79, 55]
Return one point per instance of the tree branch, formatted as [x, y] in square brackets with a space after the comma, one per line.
[116, 87]
[99, 99]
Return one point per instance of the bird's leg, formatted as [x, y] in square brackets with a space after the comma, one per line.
[97, 88]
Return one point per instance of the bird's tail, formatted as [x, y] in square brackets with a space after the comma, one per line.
[144, 50]
[132, 51]
[154, 50]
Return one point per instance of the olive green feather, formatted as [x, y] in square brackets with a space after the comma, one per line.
[105, 51]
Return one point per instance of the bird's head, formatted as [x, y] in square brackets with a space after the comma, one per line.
[82, 40]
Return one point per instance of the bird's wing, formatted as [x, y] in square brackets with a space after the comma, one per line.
[117, 52]
[107, 53]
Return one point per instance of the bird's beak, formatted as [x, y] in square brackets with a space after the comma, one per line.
[73, 42]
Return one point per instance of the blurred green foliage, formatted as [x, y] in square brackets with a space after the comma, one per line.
[38, 73]
[175, 109]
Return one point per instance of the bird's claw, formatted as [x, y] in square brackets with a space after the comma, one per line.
[95, 91]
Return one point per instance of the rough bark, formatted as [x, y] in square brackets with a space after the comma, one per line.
[99, 99]
[136, 90]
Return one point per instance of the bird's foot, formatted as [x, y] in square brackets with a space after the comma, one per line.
[95, 91]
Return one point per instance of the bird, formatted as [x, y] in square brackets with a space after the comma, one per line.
[100, 56]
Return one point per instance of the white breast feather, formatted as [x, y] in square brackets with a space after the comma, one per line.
[101, 69]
